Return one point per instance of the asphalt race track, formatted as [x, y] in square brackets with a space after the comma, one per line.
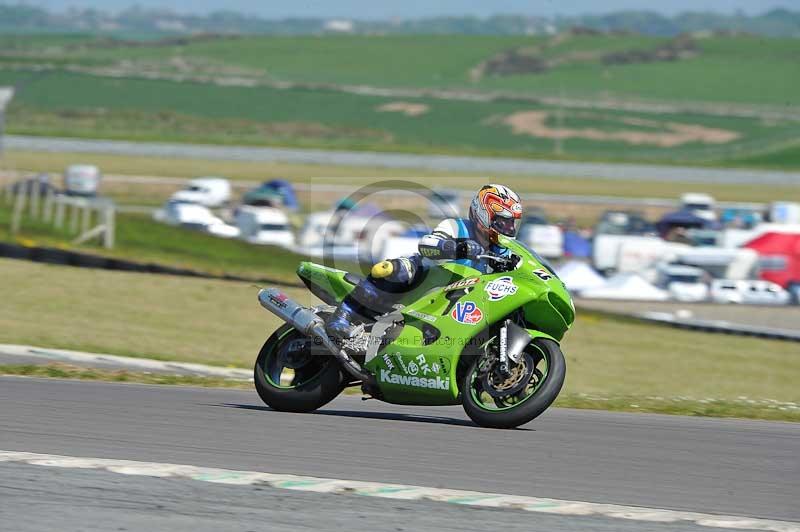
[728, 467]
[452, 163]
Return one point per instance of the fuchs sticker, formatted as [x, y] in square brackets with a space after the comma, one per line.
[467, 313]
[500, 288]
[463, 283]
[543, 274]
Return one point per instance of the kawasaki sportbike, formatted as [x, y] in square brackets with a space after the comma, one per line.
[487, 341]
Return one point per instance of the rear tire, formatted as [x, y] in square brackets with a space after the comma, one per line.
[529, 408]
[320, 389]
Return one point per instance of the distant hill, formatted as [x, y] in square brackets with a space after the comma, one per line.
[144, 23]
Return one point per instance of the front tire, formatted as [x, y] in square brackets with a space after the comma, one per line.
[314, 380]
[546, 380]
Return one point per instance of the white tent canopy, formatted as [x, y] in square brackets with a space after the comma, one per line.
[579, 276]
[629, 286]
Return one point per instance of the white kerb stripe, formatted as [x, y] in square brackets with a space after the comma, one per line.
[396, 491]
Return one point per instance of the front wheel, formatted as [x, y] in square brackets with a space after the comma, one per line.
[290, 377]
[504, 401]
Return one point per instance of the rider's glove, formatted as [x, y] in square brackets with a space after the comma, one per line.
[468, 249]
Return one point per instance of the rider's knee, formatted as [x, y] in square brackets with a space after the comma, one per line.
[402, 270]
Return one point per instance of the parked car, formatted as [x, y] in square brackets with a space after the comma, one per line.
[748, 292]
[544, 238]
[263, 196]
[82, 180]
[286, 192]
[264, 225]
[701, 205]
[197, 217]
[207, 191]
[684, 283]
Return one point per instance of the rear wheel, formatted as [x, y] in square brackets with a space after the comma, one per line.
[290, 377]
[503, 401]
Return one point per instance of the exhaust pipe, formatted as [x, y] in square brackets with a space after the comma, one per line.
[307, 322]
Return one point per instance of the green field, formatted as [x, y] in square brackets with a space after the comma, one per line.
[140, 239]
[744, 69]
[104, 94]
[66, 104]
[612, 363]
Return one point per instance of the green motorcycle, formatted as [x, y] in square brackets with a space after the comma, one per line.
[487, 341]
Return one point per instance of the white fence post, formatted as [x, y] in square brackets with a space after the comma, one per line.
[86, 219]
[59, 222]
[19, 206]
[47, 208]
[110, 221]
[35, 189]
[73, 220]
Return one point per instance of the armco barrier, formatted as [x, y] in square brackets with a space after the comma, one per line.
[86, 260]
[718, 326]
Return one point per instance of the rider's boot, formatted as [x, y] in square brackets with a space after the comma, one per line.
[341, 324]
[368, 299]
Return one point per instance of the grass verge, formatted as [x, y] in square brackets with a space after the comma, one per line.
[615, 363]
[141, 239]
[66, 371]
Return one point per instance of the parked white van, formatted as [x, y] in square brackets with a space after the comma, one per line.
[264, 225]
[82, 180]
[748, 292]
[207, 191]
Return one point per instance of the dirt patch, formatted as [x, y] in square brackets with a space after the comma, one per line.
[681, 47]
[534, 60]
[668, 135]
[407, 108]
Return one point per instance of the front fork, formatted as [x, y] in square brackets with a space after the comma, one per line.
[513, 341]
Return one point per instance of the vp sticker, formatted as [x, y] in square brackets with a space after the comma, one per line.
[467, 313]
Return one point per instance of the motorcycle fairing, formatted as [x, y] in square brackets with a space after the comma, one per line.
[419, 365]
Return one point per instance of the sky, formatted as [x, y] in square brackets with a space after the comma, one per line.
[382, 9]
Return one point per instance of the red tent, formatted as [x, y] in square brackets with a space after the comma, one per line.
[778, 257]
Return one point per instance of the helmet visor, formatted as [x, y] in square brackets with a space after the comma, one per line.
[506, 226]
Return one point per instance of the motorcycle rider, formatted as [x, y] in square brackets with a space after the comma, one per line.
[494, 210]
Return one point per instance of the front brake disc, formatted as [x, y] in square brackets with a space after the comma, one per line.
[498, 385]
